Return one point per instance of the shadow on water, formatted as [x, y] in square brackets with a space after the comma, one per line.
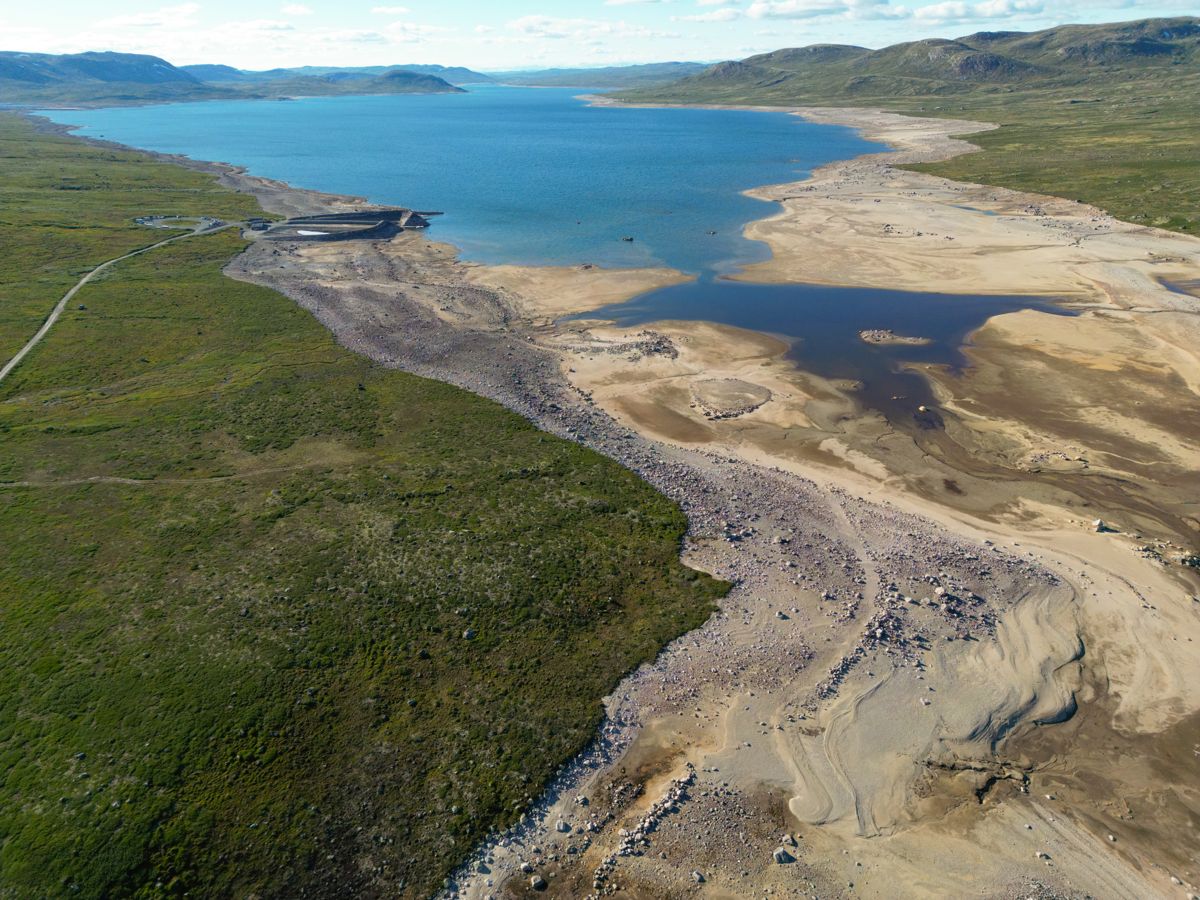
[823, 325]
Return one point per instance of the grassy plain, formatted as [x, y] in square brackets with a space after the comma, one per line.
[66, 207]
[276, 621]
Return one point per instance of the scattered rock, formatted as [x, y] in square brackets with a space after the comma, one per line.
[887, 336]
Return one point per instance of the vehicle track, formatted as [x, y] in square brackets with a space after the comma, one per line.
[62, 304]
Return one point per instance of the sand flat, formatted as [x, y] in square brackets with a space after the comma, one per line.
[904, 739]
[549, 292]
[920, 773]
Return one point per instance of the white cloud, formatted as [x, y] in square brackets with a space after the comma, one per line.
[941, 12]
[549, 27]
[816, 9]
[726, 14]
[166, 17]
[408, 32]
[795, 9]
[958, 11]
[994, 9]
[296, 9]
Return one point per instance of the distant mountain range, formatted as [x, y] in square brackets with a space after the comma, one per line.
[215, 74]
[609, 77]
[827, 73]
[92, 79]
[821, 73]
[28, 79]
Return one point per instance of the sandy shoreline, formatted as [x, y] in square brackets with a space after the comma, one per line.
[873, 684]
[865, 223]
[1003, 242]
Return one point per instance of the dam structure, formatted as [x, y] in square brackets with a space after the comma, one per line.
[371, 224]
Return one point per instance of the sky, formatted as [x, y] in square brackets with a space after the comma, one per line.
[512, 34]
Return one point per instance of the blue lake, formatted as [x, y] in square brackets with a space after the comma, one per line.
[537, 176]
[530, 176]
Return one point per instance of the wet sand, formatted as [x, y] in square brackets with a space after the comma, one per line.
[924, 643]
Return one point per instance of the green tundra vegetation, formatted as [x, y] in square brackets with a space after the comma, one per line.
[1105, 114]
[66, 207]
[276, 621]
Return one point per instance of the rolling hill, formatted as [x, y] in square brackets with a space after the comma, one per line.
[609, 77]
[217, 74]
[1107, 114]
[1066, 56]
[29, 79]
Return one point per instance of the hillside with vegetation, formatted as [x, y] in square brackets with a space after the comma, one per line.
[276, 621]
[217, 74]
[1107, 114]
[110, 79]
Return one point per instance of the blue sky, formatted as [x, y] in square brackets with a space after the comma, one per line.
[498, 34]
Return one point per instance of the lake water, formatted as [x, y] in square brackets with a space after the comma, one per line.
[822, 324]
[537, 176]
[533, 176]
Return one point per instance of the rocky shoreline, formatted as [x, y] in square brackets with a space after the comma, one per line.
[833, 594]
[865, 688]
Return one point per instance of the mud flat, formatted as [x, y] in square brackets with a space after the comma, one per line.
[911, 690]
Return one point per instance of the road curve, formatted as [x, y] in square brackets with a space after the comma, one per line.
[62, 304]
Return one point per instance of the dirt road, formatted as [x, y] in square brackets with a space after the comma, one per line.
[9, 366]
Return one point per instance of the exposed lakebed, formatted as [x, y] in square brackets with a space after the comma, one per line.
[540, 177]
[823, 324]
